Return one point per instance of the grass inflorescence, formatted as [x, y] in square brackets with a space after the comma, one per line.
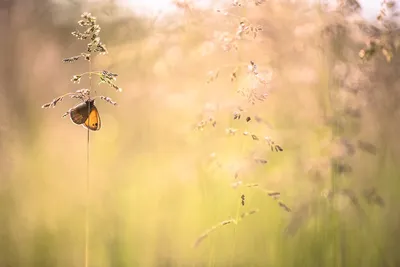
[252, 83]
[94, 45]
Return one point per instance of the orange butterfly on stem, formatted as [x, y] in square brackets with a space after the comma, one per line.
[84, 113]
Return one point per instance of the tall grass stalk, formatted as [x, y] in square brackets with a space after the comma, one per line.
[89, 118]
[88, 175]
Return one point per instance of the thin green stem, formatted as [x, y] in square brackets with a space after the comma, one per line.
[88, 174]
[87, 204]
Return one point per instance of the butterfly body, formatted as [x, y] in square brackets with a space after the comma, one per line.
[87, 115]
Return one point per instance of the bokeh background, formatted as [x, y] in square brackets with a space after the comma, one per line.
[157, 182]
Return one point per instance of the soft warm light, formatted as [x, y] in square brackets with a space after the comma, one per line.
[150, 6]
[164, 6]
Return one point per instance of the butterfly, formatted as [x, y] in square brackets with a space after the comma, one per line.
[86, 114]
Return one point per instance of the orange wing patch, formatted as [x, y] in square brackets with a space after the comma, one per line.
[93, 122]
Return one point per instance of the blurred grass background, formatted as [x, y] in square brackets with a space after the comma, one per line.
[154, 187]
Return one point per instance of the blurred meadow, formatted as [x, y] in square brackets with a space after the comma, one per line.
[187, 169]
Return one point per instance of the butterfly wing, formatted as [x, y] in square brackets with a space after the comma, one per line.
[93, 122]
[79, 113]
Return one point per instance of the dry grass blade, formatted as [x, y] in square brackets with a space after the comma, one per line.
[71, 59]
[276, 196]
[284, 206]
[108, 100]
[76, 79]
[260, 161]
[66, 114]
[238, 114]
[212, 229]
[221, 224]
[82, 94]
[273, 194]
[109, 81]
[55, 101]
[274, 147]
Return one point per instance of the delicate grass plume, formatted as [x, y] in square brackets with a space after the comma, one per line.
[85, 111]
